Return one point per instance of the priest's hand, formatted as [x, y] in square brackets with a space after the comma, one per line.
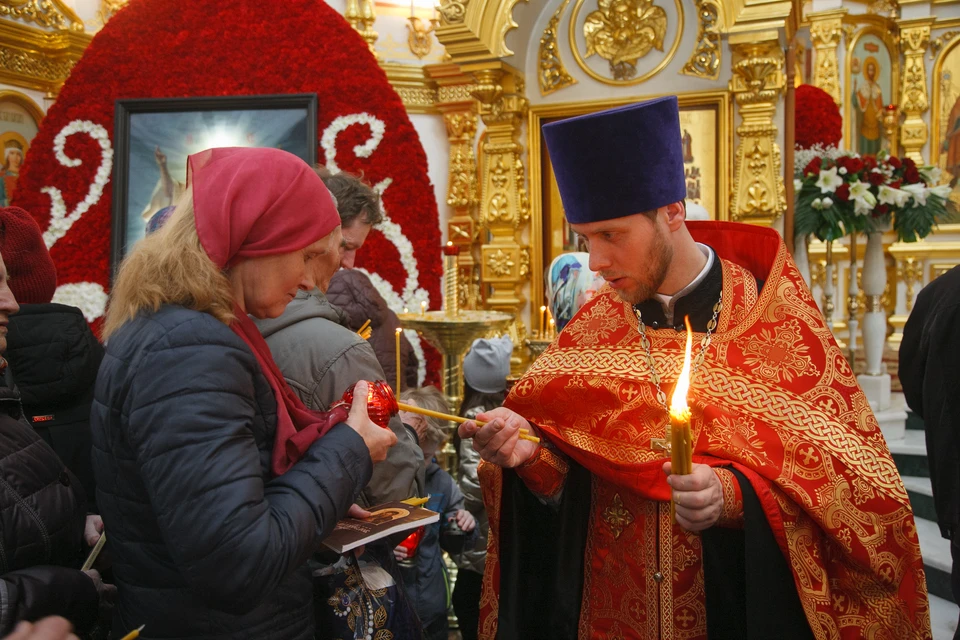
[698, 497]
[499, 441]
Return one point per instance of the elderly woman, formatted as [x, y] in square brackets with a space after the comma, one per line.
[215, 483]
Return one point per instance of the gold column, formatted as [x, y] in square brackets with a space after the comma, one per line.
[504, 206]
[826, 27]
[361, 16]
[757, 83]
[914, 39]
[459, 109]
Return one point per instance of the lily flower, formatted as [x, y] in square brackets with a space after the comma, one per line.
[919, 193]
[829, 180]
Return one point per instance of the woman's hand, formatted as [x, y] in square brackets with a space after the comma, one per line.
[92, 529]
[465, 521]
[52, 628]
[377, 439]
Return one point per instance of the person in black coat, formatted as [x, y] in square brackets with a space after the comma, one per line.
[930, 375]
[53, 355]
[215, 483]
[42, 518]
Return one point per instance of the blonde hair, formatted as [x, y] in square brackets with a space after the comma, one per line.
[430, 397]
[169, 267]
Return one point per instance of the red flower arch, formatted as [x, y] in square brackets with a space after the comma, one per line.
[171, 48]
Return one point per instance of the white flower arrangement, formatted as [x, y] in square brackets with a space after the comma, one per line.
[829, 180]
[329, 139]
[89, 297]
[60, 220]
[802, 157]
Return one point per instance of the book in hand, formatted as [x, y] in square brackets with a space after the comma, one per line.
[386, 519]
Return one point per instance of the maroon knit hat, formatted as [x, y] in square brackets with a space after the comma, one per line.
[33, 278]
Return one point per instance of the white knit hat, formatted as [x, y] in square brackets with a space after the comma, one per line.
[487, 365]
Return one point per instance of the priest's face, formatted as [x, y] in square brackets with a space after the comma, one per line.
[633, 254]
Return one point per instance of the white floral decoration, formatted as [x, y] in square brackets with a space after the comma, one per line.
[829, 180]
[329, 139]
[60, 220]
[802, 157]
[89, 297]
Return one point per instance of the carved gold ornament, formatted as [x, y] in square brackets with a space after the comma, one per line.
[705, 61]
[109, 8]
[622, 32]
[453, 11]
[48, 14]
[553, 74]
[825, 31]
[914, 38]
[758, 81]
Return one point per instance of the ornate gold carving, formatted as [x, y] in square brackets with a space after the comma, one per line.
[891, 124]
[361, 16]
[553, 74]
[456, 93]
[499, 263]
[910, 272]
[48, 14]
[504, 205]
[758, 80]
[705, 61]
[825, 31]
[623, 31]
[453, 11]
[36, 59]
[937, 270]
[108, 8]
[418, 94]
[914, 38]
[939, 41]
[419, 34]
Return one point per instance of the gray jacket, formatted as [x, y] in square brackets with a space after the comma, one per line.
[474, 556]
[320, 359]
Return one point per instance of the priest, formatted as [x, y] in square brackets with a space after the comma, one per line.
[794, 522]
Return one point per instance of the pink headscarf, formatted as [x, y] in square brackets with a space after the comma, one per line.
[251, 203]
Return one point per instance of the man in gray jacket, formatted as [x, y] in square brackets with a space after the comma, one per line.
[320, 357]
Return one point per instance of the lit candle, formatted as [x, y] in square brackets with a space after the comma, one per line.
[423, 307]
[405, 310]
[553, 329]
[543, 321]
[399, 331]
[681, 445]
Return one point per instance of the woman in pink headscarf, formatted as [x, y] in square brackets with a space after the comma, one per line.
[214, 482]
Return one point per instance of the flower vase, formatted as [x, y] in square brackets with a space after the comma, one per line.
[875, 381]
[853, 305]
[800, 257]
[828, 289]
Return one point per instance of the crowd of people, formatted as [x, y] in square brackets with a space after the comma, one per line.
[203, 437]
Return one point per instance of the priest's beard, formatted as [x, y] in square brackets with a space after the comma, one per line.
[648, 283]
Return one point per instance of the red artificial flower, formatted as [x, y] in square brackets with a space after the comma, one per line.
[816, 117]
[843, 192]
[894, 162]
[312, 49]
[869, 162]
[911, 174]
[908, 163]
[880, 210]
[812, 168]
[876, 179]
[896, 184]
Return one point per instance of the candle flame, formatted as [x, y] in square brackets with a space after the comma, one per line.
[678, 404]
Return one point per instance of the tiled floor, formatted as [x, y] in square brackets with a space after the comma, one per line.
[943, 618]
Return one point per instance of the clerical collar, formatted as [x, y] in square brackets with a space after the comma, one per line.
[662, 311]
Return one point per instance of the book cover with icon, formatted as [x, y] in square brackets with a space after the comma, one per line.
[385, 520]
